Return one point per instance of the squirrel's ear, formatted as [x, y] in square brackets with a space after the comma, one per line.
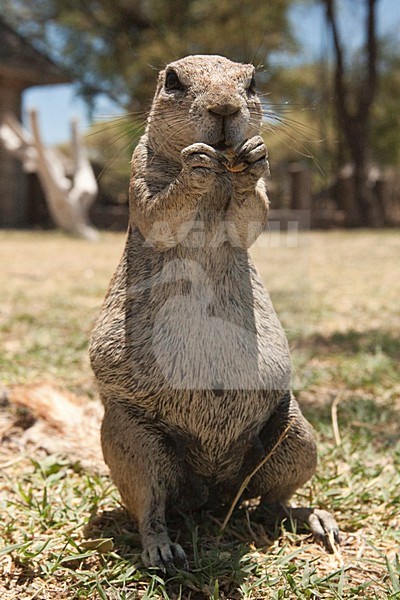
[251, 86]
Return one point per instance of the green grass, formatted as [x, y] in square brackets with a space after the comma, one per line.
[337, 295]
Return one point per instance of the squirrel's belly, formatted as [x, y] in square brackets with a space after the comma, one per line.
[187, 343]
[191, 341]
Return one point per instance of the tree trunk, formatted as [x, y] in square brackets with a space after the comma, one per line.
[370, 209]
[353, 105]
[358, 150]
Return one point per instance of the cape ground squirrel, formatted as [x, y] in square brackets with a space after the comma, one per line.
[192, 363]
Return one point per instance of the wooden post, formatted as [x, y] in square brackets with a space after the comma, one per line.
[13, 204]
[380, 190]
[68, 205]
[68, 201]
[300, 198]
[346, 196]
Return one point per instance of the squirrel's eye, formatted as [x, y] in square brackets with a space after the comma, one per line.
[172, 81]
[251, 88]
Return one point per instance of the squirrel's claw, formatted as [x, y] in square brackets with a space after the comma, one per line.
[168, 557]
[251, 151]
[320, 522]
[324, 527]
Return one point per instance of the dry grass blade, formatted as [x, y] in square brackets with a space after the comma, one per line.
[335, 548]
[335, 425]
[249, 477]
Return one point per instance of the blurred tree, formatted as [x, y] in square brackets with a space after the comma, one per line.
[114, 46]
[354, 99]
[117, 46]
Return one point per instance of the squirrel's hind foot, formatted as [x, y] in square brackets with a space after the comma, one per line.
[320, 522]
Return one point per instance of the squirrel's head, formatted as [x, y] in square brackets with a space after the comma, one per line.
[203, 98]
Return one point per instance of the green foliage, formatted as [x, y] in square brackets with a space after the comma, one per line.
[115, 46]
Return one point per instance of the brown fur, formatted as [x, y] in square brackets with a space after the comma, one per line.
[192, 364]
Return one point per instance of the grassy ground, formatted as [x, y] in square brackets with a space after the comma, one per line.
[337, 295]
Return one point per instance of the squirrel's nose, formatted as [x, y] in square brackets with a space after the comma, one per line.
[224, 109]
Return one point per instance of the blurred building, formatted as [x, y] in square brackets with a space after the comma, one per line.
[21, 66]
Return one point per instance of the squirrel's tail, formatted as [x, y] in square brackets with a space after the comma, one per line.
[55, 420]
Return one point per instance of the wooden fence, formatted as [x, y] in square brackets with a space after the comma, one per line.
[294, 200]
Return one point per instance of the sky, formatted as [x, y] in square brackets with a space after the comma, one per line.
[58, 104]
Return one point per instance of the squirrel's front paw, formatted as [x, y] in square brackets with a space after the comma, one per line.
[253, 153]
[202, 158]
